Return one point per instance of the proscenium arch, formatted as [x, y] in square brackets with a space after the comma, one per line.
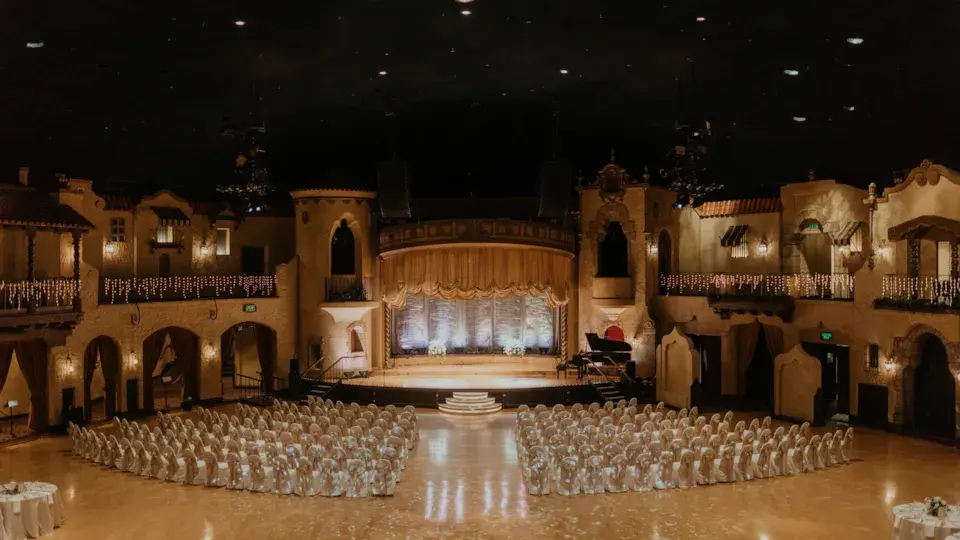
[186, 347]
[266, 348]
[108, 351]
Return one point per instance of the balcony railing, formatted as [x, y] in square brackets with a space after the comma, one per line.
[41, 294]
[347, 289]
[804, 286]
[166, 237]
[924, 294]
[131, 290]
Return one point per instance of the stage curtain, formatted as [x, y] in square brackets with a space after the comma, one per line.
[747, 336]
[152, 349]
[265, 353]
[32, 357]
[6, 355]
[89, 366]
[774, 338]
[466, 273]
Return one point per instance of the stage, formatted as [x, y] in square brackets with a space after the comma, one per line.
[510, 382]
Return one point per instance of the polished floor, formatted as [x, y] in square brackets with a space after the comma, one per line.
[463, 482]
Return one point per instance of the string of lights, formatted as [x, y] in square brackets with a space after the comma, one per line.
[123, 290]
[929, 288]
[796, 285]
[43, 293]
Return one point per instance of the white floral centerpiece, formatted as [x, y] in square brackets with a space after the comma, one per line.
[934, 506]
[514, 347]
[437, 348]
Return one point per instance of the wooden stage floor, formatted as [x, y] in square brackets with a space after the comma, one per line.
[465, 376]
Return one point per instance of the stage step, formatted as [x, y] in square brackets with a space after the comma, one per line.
[470, 403]
[609, 392]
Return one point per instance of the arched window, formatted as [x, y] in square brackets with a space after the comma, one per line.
[613, 253]
[343, 251]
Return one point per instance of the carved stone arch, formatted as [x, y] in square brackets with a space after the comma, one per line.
[608, 213]
[907, 349]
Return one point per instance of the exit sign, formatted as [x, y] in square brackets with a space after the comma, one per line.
[250, 308]
[826, 336]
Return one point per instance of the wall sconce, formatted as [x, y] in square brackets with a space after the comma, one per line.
[68, 368]
[890, 363]
[654, 249]
[209, 352]
[204, 249]
[110, 248]
[762, 248]
[133, 360]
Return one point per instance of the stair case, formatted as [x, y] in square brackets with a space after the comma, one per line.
[470, 404]
[608, 391]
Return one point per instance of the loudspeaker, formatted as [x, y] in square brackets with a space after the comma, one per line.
[294, 367]
[67, 395]
[556, 181]
[133, 395]
[393, 190]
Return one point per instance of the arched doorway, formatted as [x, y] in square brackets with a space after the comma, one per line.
[613, 260]
[171, 367]
[759, 376]
[343, 252]
[250, 349]
[934, 392]
[100, 386]
[664, 256]
[816, 248]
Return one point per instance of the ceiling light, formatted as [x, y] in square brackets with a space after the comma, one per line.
[855, 40]
[799, 118]
[564, 72]
[791, 72]
[464, 1]
[466, 12]
[238, 22]
[849, 108]
[383, 73]
[34, 44]
[701, 19]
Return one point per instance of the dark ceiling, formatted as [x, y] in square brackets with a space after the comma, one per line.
[139, 93]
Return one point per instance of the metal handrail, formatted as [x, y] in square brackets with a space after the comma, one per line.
[255, 390]
[323, 375]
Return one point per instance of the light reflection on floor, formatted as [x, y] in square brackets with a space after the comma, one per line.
[463, 482]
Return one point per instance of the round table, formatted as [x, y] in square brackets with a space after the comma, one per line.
[910, 522]
[30, 514]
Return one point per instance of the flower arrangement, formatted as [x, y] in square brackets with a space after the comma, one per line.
[934, 506]
[514, 347]
[13, 488]
[437, 348]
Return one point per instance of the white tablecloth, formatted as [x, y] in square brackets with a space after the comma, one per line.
[31, 514]
[910, 522]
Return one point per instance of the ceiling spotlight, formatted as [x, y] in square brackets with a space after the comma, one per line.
[791, 72]
[464, 1]
[383, 73]
[34, 44]
[239, 22]
[564, 72]
[855, 40]
[849, 108]
[466, 12]
[799, 118]
[701, 19]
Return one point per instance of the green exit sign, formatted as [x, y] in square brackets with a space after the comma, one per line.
[826, 336]
[250, 308]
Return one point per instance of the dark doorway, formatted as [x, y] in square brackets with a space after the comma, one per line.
[935, 392]
[710, 375]
[664, 254]
[102, 354]
[759, 390]
[252, 261]
[834, 377]
[176, 379]
[343, 254]
[613, 256]
[164, 265]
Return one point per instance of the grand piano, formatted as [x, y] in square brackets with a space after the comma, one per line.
[616, 351]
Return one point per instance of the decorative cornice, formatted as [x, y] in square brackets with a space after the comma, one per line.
[927, 173]
[482, 231]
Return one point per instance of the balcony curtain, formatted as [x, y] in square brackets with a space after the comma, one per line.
[747, 336]
[152, 349]
[773, 335]
[266, 354]
[466, 273]
[6, 355]
[32, 357]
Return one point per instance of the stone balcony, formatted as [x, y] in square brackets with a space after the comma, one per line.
[38, 304]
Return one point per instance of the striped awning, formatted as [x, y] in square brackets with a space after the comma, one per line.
[734, 236]
[843, 236]
[170, 215]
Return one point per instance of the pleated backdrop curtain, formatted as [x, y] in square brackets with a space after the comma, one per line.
[32, 357]
[152, 349]
[89, 368]
[773, 335]
[110, 364]
[266, 353]
[6, 355]
[747, 336]
[465, 273]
